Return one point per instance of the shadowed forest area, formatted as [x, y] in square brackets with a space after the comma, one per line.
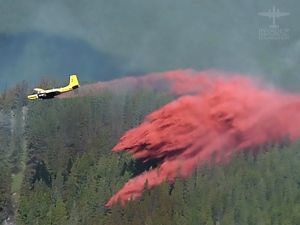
[68, 172]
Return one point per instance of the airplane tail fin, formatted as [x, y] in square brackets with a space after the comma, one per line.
[74, 82]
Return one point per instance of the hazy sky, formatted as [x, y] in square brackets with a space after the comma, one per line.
[105, 39]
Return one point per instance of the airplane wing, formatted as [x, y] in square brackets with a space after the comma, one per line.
[51, 91]
[265, 14]
[39, 90]
[280, 14]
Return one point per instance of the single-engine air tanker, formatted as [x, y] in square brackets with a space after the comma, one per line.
[51, 93]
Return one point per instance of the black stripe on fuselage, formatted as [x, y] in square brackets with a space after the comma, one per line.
[48, 95]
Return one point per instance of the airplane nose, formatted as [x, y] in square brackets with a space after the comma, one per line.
[32, 97]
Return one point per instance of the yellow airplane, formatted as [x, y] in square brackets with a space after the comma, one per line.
[51, 93]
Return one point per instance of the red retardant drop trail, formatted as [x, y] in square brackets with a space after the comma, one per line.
[217, 116]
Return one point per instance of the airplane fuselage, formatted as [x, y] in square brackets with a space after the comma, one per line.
[51, 93]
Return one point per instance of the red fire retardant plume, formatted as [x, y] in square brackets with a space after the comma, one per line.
[216, 116]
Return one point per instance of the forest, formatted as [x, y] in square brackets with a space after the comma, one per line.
[57, 168]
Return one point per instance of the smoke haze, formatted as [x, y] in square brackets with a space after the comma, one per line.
[102, 40]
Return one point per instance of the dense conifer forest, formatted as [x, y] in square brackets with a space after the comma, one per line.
[57, 168]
